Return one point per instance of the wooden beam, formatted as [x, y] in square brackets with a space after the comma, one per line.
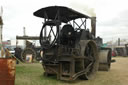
[27, 37]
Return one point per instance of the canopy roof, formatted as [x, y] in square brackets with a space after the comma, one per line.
[65, 14]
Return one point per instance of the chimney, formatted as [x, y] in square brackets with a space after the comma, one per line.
[118, 41]
[93, 25]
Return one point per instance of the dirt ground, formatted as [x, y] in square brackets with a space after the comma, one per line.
[120, 69]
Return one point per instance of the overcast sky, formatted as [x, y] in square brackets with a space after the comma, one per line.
[112, 21]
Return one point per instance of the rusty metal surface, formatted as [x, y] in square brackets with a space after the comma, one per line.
[7, 71]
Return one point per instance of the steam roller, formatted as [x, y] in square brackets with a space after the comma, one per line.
[70, 49]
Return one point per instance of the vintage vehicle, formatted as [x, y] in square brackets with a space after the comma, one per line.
[30, 53]
[70, 50]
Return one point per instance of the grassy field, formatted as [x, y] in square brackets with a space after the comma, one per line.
[32, 74]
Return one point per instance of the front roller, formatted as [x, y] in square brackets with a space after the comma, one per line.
[104, 59]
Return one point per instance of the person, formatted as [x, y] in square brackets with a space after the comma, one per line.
[17, 54]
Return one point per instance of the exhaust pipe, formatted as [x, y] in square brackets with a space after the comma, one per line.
[93, 25]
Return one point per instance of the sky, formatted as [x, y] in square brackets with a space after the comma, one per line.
[112, 21]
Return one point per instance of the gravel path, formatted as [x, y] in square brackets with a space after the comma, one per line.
[120, 69]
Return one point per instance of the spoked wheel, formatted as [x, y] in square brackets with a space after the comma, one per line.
[91, 60]
[28, 55]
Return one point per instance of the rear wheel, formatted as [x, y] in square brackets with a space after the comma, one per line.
[28, 55]
[91, 60]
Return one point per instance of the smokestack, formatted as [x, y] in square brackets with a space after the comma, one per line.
[93, 25]
[24, 31]
[118, 41]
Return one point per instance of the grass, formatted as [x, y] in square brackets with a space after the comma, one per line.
[32, 74]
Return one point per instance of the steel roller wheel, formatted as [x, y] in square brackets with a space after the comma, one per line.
[91, 60]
